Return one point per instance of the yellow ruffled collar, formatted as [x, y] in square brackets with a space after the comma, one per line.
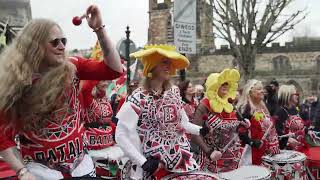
[213, 83]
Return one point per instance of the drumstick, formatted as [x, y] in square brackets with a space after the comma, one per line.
[78, 20]
[243, 155]
[286, 135]
[229, 143]
[292, 134]
[267, 132]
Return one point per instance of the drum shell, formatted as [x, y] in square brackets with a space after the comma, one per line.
[313, 161]
[247, 172]
[285, 168]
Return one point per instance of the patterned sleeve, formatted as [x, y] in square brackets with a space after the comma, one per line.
[126, 134]
[93, 70]
[273, 141]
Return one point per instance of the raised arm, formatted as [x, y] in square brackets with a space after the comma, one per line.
[110, 54]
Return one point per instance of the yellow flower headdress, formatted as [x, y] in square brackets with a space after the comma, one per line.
[152, 55]
[213, 83]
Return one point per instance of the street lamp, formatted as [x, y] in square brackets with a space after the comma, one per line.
[128, 56]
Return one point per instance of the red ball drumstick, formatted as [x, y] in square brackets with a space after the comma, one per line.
[205, 117]
[78, 20]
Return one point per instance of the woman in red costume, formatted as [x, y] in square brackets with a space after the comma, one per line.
[41, 101]
[220, 149]
[262, 136]
[100, 129]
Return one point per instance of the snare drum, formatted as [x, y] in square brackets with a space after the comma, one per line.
[247, 172]
[287, 165]
[313, 162]
[191, 176]
[195, 175]
[106, 162]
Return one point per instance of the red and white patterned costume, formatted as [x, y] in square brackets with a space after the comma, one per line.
[155, 125]
[295, 125]
[100, 112]
[258, 128]
[190, 108]
[224, 129]
[100, 129]
[289, 122]
[60, 146]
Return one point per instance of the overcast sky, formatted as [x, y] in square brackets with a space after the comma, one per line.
[117, 14]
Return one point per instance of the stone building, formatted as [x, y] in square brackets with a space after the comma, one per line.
[14, 14]
[161, 25]
[298, 62]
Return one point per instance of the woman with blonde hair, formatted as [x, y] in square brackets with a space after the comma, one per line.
[40, 100]
[261, 136]
[152, 122]
[289, 123]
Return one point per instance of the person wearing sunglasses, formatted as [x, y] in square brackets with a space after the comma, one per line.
[261, 138]
[40, 100]
[290, 126]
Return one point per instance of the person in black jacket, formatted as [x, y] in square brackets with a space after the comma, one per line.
[271, 97]
[309, 110]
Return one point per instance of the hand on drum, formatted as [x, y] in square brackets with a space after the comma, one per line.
[246, 123]
[256, 143]
[27, 176]
[313, 136]
[293, 142]
[215, 155]
[152, 165]
[205, 130]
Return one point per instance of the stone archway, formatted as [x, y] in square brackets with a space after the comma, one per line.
[281, 63]
[317, 63]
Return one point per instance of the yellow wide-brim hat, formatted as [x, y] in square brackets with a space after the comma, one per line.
[152, 55]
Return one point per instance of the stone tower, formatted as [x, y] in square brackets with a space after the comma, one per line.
[161, 26]
[17, 11]
[14, 14]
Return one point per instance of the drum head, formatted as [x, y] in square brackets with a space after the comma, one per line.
[247, 172]
[191, 176]
[285, 156]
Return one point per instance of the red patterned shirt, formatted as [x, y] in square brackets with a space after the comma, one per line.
[61, 142]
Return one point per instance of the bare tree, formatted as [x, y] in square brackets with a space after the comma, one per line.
[249, 25]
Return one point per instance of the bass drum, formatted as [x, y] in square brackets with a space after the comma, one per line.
[313, 162]
[196, 175]
[286, 165]
[247, 172]
[191, 176]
